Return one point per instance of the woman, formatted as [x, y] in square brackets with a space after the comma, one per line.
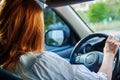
[22, 47]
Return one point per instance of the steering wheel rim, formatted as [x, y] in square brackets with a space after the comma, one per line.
[80, 43]
[77, 48]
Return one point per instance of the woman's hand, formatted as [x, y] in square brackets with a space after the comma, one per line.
[110, 50]
[111, 45]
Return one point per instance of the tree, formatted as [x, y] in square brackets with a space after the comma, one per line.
[114, 6]
[48, 17]
[98, 12]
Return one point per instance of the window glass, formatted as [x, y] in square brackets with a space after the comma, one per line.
[100, 15]
[52, 20]
[54, 24]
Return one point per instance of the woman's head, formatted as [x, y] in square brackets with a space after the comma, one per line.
[21, 29]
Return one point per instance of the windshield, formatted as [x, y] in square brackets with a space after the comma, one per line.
[100, 15]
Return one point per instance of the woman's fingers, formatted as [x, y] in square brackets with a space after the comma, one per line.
[111, 45]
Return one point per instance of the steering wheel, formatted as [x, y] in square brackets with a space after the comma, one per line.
[89, 52]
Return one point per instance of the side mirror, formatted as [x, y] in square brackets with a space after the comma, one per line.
[55, 38]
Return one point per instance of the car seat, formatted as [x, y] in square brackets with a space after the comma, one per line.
[5, 75]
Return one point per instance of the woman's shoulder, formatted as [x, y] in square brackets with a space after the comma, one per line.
[30, 56]
[46, 63]
[52, 64]
[50, 56]
[28, 59]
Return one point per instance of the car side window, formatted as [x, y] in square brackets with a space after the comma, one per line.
[57, 32]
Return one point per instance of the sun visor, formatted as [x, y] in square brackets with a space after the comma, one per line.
[57, 3]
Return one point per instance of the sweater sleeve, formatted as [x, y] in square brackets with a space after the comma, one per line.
[83, 73]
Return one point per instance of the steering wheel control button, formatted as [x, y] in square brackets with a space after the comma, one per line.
[90, 59]
[77, 60]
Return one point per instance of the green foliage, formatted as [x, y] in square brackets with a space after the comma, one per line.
[98, 12]
[48, 17]
[114, 6]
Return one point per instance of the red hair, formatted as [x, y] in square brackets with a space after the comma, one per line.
[21, 30]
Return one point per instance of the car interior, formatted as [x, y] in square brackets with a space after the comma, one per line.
[77, 42]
